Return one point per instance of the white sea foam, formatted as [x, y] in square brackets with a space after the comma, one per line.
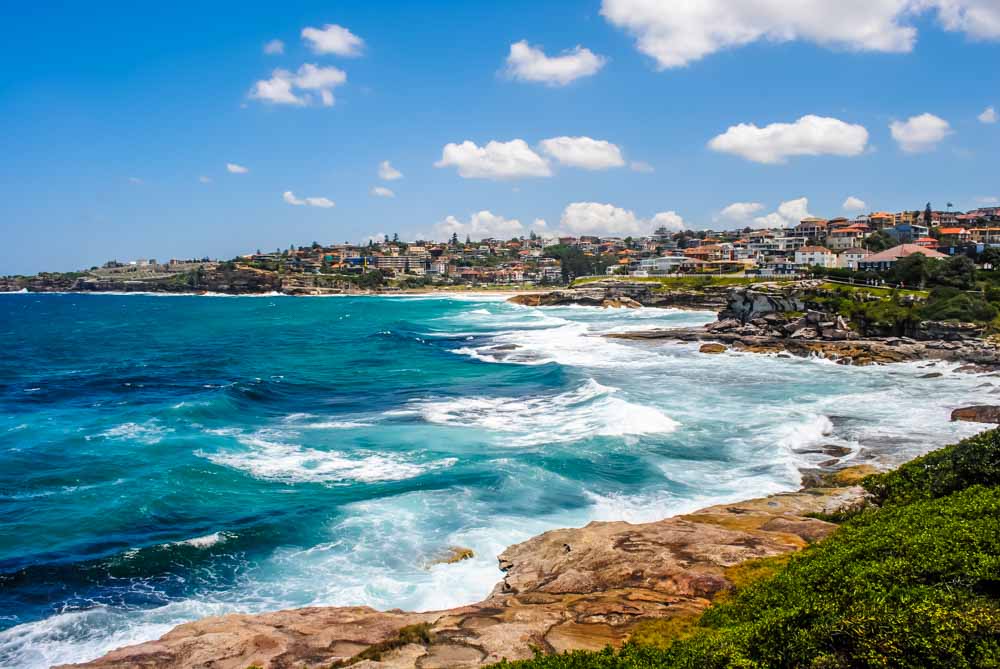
[265, 458]
[206, 541]
[150, 432]
[589, 411]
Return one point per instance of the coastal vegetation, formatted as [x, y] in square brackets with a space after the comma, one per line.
[912, 581]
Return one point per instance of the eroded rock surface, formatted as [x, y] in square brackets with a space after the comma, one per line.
[564, 589]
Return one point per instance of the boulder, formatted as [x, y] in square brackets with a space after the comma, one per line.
[985, 413]
[712, 348]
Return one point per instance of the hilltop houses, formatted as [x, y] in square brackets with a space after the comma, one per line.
[868, 242]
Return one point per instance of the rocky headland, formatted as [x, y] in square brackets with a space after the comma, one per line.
[787, 317]
[565, 589]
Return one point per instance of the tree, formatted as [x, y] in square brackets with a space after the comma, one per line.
[395, 236]
[454, 239]
[468, 240]
[914, 269]
[956, 272]
[927, 215]
[879, 241]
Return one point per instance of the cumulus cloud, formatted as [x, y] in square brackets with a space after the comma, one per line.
[274, 47]
[289, 88]
[670, 220]
[481, 225]
[808, 136]
[595, 218]
[979, 19]
[641, 166]
[919, 133]
[789, 214]
[989, 115]
[675, 34]
[854, 204]
[584, 152]
[334, 39]
[322, 202]
[382, 191]
[740, 212]
[387, 172]
[529, 63]
[234, 168]
[497, 160]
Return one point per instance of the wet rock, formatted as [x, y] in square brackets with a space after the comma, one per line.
[932, 375]
[712, 348]
[987, 413]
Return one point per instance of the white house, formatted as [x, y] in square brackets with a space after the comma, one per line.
[815, 255]
[852, 258]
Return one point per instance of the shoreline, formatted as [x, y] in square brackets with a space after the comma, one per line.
[564, 589]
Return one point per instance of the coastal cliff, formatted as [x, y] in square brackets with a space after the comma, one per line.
[565, 589]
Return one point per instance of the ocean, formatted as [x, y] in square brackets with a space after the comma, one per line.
[164, 458]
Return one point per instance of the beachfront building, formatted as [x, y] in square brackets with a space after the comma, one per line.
[852, 258]
[660, 265]
[880, 262]
[812, 256]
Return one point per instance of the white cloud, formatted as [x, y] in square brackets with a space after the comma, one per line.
[322, 202]
[854, 204]
[809, 136]
[481, 225]
[497, 160]
[529, 63]
[989, 115]
[979, 19]
[676, 34]
[274, 47]
[205, 180]
[670, 220]
[740, 212]
[594, 218]
[539, 224]
[234, 168]
[135, 180]
[919, 133]
[334, 39]
[277, 89]
[382, 191]
[789, 214]
[387, 172]
[287, 88]
[641, 166]
[584, 152]
[988, 200]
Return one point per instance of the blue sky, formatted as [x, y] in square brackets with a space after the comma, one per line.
[112, 116]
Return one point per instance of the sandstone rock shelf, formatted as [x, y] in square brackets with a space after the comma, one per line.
[564, 589]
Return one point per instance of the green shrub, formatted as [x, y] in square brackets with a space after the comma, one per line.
[973, 461]
[951, 304]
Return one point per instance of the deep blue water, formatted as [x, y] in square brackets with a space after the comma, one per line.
[165, 458]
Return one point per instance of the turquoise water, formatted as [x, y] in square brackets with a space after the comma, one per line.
[166, 458]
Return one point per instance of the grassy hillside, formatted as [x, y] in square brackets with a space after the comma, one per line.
[914, 582]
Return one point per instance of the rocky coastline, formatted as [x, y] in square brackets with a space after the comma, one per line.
[777, 318]
[579, 588]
